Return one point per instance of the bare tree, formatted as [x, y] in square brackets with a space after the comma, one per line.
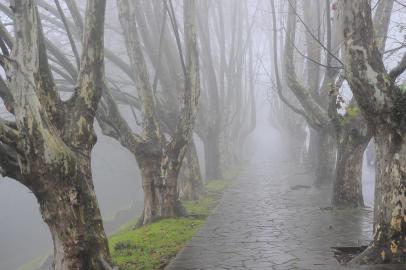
[348, 133]
[158, 160]
[353, 133]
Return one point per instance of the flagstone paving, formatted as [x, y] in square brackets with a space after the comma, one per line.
[272, 218]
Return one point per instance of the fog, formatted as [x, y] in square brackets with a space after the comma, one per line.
[188, 92]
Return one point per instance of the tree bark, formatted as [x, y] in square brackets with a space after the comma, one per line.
[53, 139]
[74, 220]
[347, 191]
[389, 244]
[160, 191]
[382, 103]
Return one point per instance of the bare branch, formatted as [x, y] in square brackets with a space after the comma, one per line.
[91, 74]
[313, 36]
[399, 69]
[68, 32]
[279, 85]
[316, 112]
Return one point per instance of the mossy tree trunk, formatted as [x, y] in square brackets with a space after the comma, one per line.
[69, 207]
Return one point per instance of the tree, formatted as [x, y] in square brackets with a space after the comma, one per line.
[227, 115]
[349, 133]
[354, 133]
[210, 115]
[159, 161]
[315, 108]
[50, 142]
[162, 56]
[383, 104]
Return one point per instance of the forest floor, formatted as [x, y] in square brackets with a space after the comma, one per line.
[272, 218]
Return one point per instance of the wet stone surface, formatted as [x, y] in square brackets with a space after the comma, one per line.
[273, 219]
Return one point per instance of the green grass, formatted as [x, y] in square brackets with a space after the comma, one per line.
[200, 208]
[153, 246]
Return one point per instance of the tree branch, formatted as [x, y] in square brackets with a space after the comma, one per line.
[399, 69]
[314, 111]
[68, 32]
[91, 74]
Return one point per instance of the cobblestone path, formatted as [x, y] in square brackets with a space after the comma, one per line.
[273, 219]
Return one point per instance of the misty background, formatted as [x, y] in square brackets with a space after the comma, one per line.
[117, 180]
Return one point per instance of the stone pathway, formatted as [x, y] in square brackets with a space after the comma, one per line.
[272, 219]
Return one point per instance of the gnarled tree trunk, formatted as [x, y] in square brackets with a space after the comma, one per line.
[383, 105]
[389, 244]
[54, 138]
[70, 209]
[160, 191]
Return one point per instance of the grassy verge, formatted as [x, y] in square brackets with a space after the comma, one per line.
[153, 246]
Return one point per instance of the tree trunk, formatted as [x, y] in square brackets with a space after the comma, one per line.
[70, 209]
[212, 156]
[382, 103]
[347, 191]
[190, 178]
[389, 244]
[325, 171]
[160, 192]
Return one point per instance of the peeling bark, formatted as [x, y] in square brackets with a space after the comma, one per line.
[54, 139]
[160, 193]
[70, 209]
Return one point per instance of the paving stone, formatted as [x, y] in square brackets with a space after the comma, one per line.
[262, 223]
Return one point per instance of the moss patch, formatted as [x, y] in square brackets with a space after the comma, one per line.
[152, 246]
